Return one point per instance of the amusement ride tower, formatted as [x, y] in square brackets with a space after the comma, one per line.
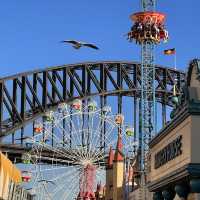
[148, 31]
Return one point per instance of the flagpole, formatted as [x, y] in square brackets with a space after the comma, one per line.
[175, 78]
[175, 60]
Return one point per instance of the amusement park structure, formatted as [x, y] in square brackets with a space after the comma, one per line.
[148, 31]
[58, 122]
[28, 119]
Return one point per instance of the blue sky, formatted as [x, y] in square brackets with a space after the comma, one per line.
[31, 31]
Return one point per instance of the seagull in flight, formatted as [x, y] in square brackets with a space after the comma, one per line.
[77, 44]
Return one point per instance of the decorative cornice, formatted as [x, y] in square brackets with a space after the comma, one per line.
[188, 109]
[169, 127]
[182, 174]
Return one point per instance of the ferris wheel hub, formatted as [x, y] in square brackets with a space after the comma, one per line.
[86, 162]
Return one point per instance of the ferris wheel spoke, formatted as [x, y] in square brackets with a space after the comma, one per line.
[50, 158]
[57, 160]
[79, 153]
[72, 128]
[58, 140]
[110, 142]
[64, 175]
[70, 182]
[94, 139]
[66, 131]
[72, 193]
[75, 130]
[51, 168]
[73, 185]
[91, 117]
[62, 186]
[97, 135]
[79, 119]
[53, 160]
[48, 195]
[59, 152]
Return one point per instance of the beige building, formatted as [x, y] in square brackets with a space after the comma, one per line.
[115, 173]
[175, 151]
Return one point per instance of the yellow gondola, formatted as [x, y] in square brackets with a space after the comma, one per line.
[119, 119]
[129, 131]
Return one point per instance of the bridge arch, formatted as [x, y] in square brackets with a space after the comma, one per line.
[25, 96]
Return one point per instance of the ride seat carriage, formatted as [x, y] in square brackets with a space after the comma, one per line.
[92, 106]
[49, 116]
[38, 128]
[149, 26]
[119, 119]
[26, 176]
[129, 131]
[77, 105]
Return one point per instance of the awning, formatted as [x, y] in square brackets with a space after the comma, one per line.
[9, 169]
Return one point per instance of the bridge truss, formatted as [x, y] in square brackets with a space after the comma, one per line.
[26, 97]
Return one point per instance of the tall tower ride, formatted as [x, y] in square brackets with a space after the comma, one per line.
[148, 31]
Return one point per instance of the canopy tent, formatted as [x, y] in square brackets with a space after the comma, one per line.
[8, 174]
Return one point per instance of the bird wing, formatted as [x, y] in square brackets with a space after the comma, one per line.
[91, 45]
[71, 42]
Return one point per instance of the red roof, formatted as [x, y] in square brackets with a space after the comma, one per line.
[119, 150]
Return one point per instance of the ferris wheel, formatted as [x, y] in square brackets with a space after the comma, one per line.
[69, 150]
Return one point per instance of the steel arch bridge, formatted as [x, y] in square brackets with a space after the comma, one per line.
[26, 96]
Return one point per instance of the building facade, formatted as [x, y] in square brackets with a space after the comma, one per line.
[10, 179]
[175, 151]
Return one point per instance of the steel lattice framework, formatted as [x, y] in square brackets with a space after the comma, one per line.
[26, 96]
[148, 124]
[148, 5]
[148, 30]
[148, 106]
[148, 121]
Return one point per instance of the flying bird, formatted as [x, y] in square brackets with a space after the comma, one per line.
[78, 44]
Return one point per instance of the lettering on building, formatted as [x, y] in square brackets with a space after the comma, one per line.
[171, 151]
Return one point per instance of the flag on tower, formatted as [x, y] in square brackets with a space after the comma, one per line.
[170, 51]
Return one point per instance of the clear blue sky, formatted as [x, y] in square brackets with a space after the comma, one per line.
[31, 31]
